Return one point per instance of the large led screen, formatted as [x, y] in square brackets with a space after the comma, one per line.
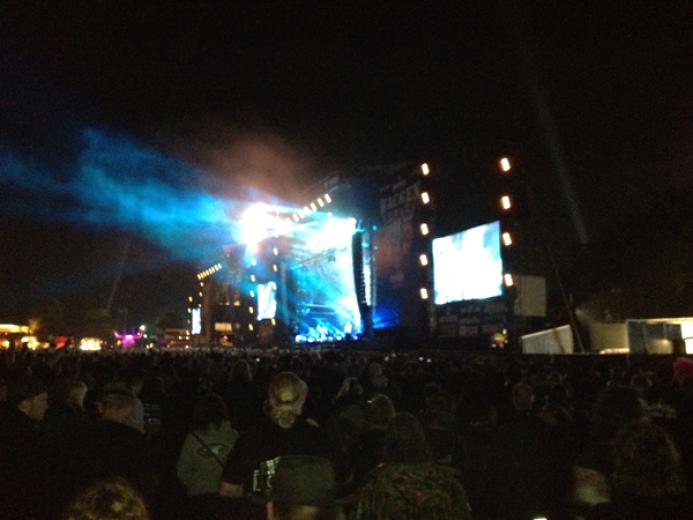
[467, 265]
[197, 320]
[266, 300]
[324, 293]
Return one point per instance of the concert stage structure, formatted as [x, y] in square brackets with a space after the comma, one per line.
[372, 255]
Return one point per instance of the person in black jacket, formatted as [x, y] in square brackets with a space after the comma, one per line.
[22, 450]
[283, 432]
[116, 448]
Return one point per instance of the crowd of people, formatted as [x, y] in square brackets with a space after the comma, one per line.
[342, 434]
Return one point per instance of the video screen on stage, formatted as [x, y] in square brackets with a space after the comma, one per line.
[266, 300]
[196, 320]
[468, 265]
[324, 292]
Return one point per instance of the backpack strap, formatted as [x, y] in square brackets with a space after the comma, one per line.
[206, 446]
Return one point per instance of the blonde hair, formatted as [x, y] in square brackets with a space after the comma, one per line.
[112, 499]
[286, 395]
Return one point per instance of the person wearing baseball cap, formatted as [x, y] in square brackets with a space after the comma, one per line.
[303, 488]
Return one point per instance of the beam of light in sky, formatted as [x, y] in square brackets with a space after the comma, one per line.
[116, 183]
[546, 120]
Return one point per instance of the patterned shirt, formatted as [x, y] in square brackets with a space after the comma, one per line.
[412, 492]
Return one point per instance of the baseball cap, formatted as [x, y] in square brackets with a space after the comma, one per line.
[304, 480]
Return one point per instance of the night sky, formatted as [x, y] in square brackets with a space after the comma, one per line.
[278, 96]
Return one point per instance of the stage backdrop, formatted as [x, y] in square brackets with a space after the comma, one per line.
[398, 244]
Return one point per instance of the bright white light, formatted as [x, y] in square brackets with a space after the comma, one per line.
[275, 268]
[252, 277]
[313, 206]
[423, 260]
[328, 199]
[331, 234]
[257, 223]
[31, 342]
[197, 321]
[143, 327]
[321, 203]
[505, 202]
[306, 210]
[251, 310]
[424, 229]
[507, 239]
[253, 261]
[190, 298]
[90, 344]
[250, 326]
[508, 279]
[283, 227]
[425, 197]
[423, 292]
[687, 335]
[275, 251]
[425, 169]
[295, 217]
[252, 294]
[505, 165]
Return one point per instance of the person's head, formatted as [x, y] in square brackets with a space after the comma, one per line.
[112, 499]
[645, 462]
[405, 441]
[303, 488]
[615, 406]
[28, 395]
[379, 411]
[135, 380]
[285, 398]
[440, 409]
[375, 369]
[641, 383]
[351, 387]
[523, 397]
[241, 372]
[682, 369]
[210, 412]
[118, 406]
[376, 377]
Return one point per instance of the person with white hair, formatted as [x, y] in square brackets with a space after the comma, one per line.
[252, 462]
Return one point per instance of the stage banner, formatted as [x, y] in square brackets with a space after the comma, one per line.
[473, 318]
[395, 251]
